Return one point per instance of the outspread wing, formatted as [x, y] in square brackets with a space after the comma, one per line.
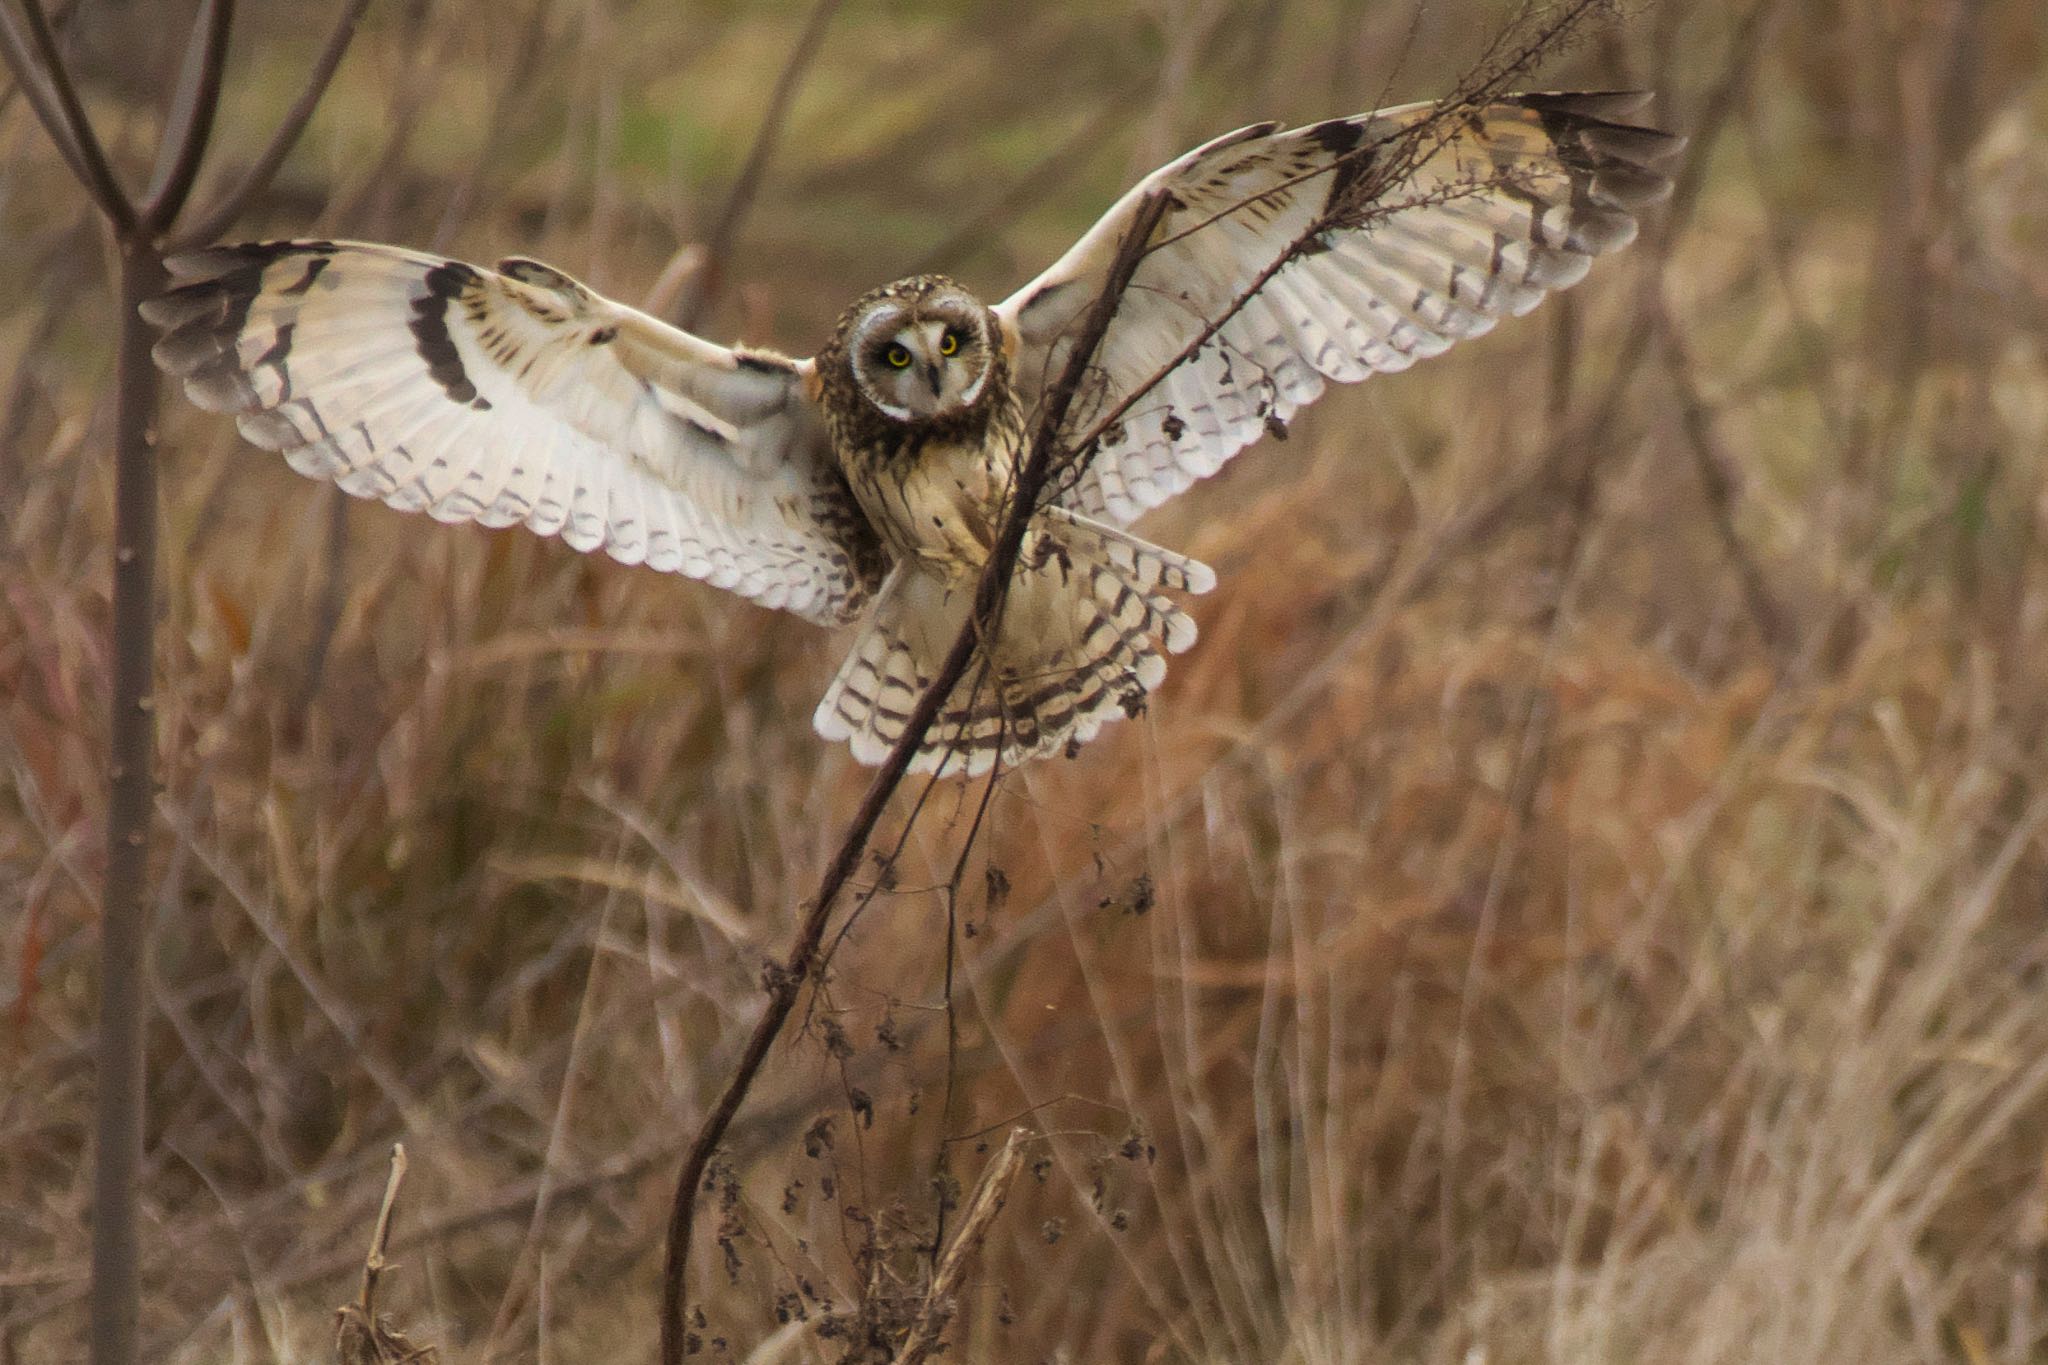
[1288, 259]
[518, 395]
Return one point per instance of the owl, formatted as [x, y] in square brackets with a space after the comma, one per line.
[866, 483]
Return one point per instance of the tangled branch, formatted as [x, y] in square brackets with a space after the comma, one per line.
[785, 980]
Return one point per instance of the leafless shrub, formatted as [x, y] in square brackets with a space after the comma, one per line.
[1539, 965]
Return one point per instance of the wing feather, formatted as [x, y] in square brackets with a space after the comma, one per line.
[517, 395]
[1331, 252]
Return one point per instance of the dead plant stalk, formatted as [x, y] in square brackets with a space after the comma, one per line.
[785, 980]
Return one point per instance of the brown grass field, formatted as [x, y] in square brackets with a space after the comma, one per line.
[1585, 899]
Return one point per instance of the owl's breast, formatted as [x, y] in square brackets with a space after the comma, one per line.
[938, 496]
[939, 501]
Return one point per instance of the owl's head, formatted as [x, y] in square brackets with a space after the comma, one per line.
[920, 348]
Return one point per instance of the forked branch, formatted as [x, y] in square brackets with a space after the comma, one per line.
[28, 46]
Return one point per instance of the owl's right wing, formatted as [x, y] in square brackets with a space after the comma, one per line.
[1289, 259]
[518, 395]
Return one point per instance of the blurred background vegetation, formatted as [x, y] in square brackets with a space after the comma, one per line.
[1584, 899]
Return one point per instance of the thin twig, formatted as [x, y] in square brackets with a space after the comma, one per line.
[42, 97]
[1723, 100]
[1385, 163]
[702, 288]
[786, 980]
[518, 79]
[327, 602]
[98, 175]
[988, 1199]
[988, 792]
[1716, 467]
[552, 1157]
[411, 87]
[231, 205]
[190, 123]
[60, 283]
[59, 21]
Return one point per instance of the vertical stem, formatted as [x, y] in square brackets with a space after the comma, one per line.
[118, 1146]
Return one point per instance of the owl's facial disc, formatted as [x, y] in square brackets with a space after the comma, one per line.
[923, 359]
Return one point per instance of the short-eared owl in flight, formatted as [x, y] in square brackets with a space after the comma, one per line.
[866, 483]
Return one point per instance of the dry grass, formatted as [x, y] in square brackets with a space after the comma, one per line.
[1495, 946]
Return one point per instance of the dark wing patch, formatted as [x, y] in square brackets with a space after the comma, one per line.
[445, 283]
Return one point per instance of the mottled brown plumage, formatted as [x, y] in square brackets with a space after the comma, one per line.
[930, 446]
[958, 458]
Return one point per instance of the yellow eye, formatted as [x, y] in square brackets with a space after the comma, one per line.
[898, 357]
[949, 343]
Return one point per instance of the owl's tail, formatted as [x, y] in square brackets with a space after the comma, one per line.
[1079, 645]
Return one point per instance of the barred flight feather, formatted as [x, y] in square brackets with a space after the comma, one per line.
[1409, 229]
[519, 396]
[1078, 646]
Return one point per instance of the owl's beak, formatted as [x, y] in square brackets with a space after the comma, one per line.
[931, 374]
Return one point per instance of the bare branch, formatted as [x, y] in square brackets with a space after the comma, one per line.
[190, 123]
[29, 47]
[55, 98]
[702, 288]
[231, 205]
[785, 981]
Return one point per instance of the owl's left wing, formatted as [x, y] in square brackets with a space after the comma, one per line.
[518, 395]
[1288, 259]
